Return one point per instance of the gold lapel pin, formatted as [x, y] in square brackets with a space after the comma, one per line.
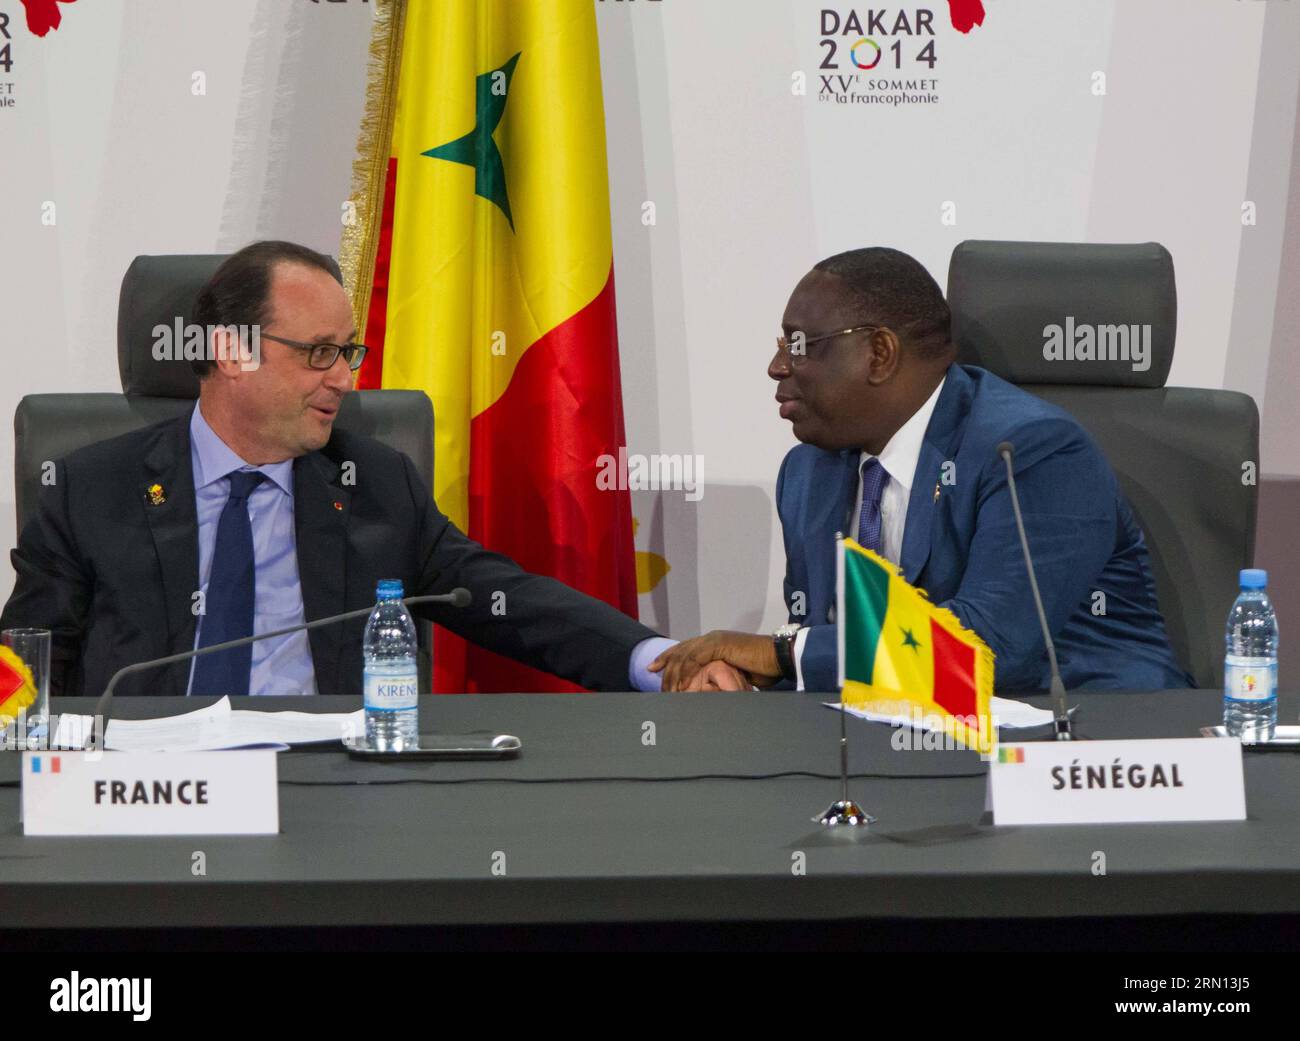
[936, 491]
[156, 495]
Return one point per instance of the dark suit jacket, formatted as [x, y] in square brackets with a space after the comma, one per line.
[113, 576]
[963, 549]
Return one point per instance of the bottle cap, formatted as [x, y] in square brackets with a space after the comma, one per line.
[1254, 578]
[390, 589]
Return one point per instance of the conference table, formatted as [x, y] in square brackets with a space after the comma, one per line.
[659, 808]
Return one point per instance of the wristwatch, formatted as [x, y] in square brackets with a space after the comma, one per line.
[783, 638]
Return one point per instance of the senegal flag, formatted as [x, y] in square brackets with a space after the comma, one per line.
[17, 691]
[900, 653]
[481, 270]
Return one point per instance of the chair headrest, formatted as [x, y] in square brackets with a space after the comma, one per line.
[159, 293]
[1065, 312]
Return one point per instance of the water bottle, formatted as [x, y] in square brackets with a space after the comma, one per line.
[391, 675]
[1250, 666]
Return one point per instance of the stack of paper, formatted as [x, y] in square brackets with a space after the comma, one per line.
[1007, 715]
[215, 727]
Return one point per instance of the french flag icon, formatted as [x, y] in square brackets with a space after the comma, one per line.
[48, 764]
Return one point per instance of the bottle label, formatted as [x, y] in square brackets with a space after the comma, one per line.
[1249, 679]
[392, 693]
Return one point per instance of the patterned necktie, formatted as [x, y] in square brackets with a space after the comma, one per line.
[873, 486]
[228, 607]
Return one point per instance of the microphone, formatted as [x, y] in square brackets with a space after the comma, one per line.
[1062, 726]
[458, 597]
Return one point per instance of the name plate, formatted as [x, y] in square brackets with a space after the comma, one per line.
[150, 793]
[1104, 782]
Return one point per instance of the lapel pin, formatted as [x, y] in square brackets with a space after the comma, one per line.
[936, 491]
[156, 495]
[338, 506]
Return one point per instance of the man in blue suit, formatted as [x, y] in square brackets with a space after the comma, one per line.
[900, 451]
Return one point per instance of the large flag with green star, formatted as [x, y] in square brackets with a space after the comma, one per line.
[902, 655]
[481, 268]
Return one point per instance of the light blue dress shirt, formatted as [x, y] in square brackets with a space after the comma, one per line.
[638, 668]
[282, 665]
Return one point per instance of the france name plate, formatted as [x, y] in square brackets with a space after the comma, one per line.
[1103, 782]
[150, 793]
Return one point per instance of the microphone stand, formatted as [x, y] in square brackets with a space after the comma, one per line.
[458, 597]
[1062, 727]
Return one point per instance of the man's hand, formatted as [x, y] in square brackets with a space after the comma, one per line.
[718, 675]
[753, 655]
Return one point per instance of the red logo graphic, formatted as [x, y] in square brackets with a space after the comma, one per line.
[966, 14]
[44, 15]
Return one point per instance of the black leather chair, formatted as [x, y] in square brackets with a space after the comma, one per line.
[1180, 454]
[157, 291]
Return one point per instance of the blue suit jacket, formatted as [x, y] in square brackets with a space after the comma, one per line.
[962, 547]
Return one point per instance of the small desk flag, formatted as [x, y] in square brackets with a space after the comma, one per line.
[899, 653]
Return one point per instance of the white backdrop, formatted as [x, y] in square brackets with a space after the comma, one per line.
[751, 184]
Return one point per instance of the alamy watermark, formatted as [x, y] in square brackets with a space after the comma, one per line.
[53, 733]
[635, 472]
[186, 341]
[1084, 342]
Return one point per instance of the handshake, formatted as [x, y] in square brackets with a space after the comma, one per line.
[720, 660]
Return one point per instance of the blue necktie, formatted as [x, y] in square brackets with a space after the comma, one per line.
[873, 486]
[228, 607]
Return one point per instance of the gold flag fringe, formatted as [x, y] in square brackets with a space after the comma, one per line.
[360, 240]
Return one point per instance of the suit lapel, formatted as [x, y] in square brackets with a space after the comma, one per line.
[167, 491]
[831, 514]
[921, 504]
[321, 506]
[941, 436]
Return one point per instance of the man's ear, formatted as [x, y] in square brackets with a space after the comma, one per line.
[885, 356]
[225, 348]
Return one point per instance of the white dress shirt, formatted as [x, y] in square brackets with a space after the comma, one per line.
[898, 458]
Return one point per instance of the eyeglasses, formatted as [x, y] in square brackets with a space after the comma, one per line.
[797, 357]
[324, 355]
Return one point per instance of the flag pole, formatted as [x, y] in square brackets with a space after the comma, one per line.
[844, 812]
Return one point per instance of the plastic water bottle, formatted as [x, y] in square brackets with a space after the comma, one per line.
[391, 675]
[1250, 666]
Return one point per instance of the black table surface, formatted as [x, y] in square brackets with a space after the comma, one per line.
[652, 808]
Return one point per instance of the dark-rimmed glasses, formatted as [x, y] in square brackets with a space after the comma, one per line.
[324, 355]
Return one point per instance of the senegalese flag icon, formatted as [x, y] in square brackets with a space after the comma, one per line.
[899, 653]
[17, 690]
[1011, 755]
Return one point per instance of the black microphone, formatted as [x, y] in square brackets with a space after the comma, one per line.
[1061, 724]
[458, 597]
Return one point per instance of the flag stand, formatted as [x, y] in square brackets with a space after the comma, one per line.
[844, 812]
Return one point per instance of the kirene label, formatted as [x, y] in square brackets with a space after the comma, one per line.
[392, 693]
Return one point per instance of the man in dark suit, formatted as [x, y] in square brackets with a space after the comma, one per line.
[253, 513]
[900, 451]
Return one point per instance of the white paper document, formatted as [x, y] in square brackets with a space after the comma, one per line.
[215, 727]
[1007, 715]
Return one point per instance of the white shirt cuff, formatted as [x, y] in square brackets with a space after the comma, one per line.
[800, 638]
